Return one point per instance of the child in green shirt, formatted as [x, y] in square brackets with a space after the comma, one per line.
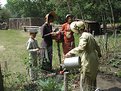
[33, 48]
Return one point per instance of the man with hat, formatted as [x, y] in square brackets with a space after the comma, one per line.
[33, 48]
[68, 42]
[89, 51]
[47, 37]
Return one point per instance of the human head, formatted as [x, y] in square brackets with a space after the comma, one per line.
[32, 32]
[69, 18]
[77, 26]
[50, 17]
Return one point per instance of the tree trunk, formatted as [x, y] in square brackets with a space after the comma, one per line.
[82, 17]
[69, 6]
[112, 14]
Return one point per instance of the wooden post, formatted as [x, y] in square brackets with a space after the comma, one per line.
[1, 80]
[93, 33]
[65, 81]
[6, 66]
[106, 45]
[115, 41]
[106, 41]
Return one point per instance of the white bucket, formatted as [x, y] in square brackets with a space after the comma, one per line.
[72, 62]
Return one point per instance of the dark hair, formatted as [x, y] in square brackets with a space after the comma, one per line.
[50, 17]
[67, 16]
[33, 33]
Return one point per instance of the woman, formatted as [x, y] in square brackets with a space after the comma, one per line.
[68, 42]
[89, 51]
[47, 36]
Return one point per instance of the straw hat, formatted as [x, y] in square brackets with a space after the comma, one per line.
[52, 13]
[77, 26]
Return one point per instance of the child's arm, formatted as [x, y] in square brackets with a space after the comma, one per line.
[29, 47]
[33, 50]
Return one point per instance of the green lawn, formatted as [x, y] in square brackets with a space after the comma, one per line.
[13, 49]
[14, 43]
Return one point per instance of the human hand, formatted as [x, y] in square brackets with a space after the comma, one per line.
[56, 29]
[67, 55]
[99, 55]
[37, 49]
[53, 33]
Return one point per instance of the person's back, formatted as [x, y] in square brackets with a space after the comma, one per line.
[89, 56]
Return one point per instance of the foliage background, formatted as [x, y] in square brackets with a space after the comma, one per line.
[14, 42]
[99, 10]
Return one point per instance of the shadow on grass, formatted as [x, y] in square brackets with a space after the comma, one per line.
[113, 89]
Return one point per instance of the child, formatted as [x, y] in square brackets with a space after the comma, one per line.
[33, 48]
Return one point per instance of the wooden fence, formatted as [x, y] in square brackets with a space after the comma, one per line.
[1, 80]
[17, 23]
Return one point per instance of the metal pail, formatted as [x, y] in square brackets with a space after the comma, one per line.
[72, 62]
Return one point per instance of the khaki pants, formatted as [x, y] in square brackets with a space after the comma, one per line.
[33, 68]
[87, 84]
[33, 74]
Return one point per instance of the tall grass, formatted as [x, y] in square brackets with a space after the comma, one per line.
[15, 51]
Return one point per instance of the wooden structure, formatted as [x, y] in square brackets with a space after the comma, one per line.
[92, 26]
[66, 81]
[3, 24]
[1, 80]
[111, 28]
[17, 23]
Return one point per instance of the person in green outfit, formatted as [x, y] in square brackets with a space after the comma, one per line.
[89, 52]
[33, 49]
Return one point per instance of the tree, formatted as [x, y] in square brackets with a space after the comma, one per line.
[4, 14]
[98, 10]
[0, 6]
[29, 8]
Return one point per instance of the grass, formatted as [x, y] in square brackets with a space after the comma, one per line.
[110, 61]
[13, 50]
[14, 44]
[14, 53]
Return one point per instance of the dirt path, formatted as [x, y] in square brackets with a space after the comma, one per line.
[108, 82]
